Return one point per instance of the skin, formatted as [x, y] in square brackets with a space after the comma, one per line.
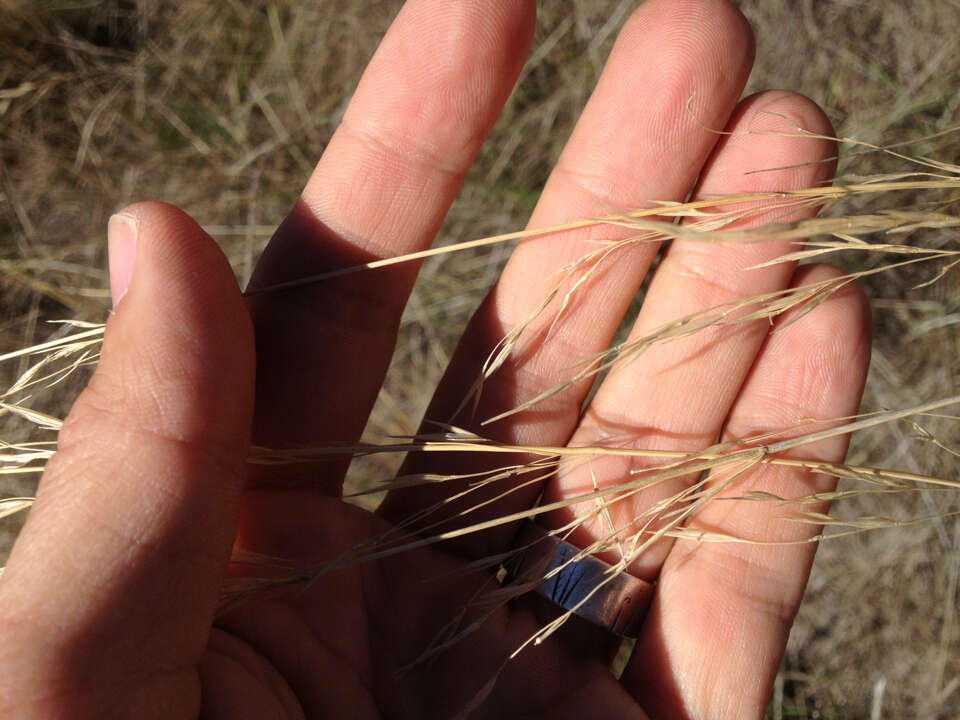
[107, 606]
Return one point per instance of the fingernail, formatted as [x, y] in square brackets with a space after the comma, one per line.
[121, 252]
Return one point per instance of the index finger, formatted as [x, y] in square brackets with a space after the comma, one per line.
[382, 188]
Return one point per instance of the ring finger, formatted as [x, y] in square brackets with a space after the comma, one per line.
[677, 395]
[712, 642]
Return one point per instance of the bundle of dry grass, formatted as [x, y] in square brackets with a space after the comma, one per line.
[114, 102]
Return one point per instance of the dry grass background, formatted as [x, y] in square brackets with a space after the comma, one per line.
[222, 108]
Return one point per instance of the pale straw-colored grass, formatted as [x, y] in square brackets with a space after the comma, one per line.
[891, 239]
[209, 115]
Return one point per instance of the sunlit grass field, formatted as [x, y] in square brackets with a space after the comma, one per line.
[222, 108]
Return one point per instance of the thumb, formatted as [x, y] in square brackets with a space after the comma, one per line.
[109, 593]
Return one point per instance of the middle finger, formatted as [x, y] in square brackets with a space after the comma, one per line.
[636, 142]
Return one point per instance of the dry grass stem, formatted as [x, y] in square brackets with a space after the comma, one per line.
[896, 225]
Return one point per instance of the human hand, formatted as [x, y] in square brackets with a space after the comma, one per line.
[108, 603]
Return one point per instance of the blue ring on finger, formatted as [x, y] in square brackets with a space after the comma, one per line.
[587, 587]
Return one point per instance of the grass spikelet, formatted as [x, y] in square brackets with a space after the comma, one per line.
[883, 242]
[210, 112]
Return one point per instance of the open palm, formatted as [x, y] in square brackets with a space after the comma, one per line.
[108, 604]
